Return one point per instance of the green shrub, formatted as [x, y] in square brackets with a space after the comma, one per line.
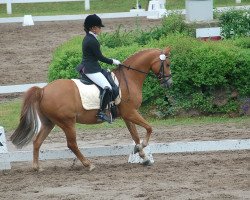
[241, 73]
[116, 39]
[242, 42]
[235, 23]
[65, 59]
[209, 77]
[174, 23]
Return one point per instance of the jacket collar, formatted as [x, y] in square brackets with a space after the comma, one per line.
[91, 33]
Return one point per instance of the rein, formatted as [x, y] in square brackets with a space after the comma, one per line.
[129, 67]
[160, 75]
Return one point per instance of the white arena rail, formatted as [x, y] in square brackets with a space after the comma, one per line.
[79, 17]
[8, 89]
[175, 147]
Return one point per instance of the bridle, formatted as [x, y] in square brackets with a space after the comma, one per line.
[160, 75]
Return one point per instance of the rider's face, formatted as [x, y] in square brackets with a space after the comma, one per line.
[96, 29]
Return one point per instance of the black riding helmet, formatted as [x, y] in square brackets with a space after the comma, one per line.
[91, 21]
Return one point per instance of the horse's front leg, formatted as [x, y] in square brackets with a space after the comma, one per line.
[135, 136]
[132, 129]
[136, 118]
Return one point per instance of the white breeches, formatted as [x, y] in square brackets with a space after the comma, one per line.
[99, 79]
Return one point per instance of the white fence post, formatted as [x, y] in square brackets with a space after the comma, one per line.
[9, 8]
[87, 5]
[4, 155]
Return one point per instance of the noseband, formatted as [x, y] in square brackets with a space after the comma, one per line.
[160, 75]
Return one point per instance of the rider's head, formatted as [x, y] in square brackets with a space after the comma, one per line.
[92, 21]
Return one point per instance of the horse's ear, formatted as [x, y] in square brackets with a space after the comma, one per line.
[166, 51]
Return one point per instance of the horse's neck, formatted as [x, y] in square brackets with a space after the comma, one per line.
[131, 81]
[141, 63]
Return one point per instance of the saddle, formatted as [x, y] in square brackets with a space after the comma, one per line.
[90, 92]
[115, 88]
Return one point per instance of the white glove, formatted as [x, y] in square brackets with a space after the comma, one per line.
[116, 62]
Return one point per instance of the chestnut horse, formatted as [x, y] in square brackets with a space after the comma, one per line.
[59, 103]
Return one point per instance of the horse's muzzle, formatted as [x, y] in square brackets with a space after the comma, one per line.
[167, 83]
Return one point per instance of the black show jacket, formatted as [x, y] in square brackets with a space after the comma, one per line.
[91, 55]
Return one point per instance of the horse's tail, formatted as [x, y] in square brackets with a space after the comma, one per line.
[29, 122]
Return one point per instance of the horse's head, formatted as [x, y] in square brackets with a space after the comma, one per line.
[161, 67]
[151, 59]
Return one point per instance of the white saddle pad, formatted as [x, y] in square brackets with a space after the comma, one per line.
[90, 94]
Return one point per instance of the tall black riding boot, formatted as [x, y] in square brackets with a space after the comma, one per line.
[105, 98]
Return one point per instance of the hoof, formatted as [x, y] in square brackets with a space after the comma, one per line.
[74, 162]
[138, 148]
[147, 162]
[91, 167]
[142, 154]
[37, 169]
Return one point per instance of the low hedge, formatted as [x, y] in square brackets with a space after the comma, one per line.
[235, 23]
[209, 77]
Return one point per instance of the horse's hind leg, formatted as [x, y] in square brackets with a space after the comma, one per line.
[72, 145]
[43, 133]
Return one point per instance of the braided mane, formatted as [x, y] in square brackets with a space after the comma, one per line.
[139, 53]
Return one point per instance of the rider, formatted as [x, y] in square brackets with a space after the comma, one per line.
[89, 66]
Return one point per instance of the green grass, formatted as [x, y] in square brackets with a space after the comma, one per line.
[96, 6]
[199, 120]
[66, 8]
[10, 112]
[180, 4]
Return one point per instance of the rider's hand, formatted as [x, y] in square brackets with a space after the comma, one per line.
[116, 62]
